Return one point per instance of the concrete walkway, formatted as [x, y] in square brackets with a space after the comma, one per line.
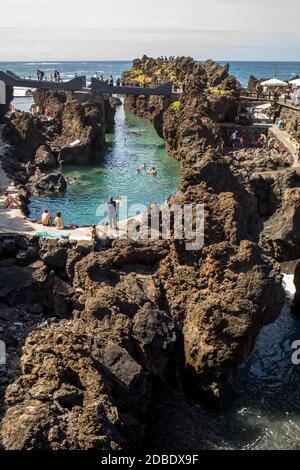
[288, 141]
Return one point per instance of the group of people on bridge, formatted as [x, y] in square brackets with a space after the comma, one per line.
[54, 77]
[109, 81]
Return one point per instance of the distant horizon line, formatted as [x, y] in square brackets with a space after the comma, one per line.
[35, 61]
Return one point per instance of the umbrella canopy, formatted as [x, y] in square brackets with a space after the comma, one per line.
[274, 82]
[295, 82]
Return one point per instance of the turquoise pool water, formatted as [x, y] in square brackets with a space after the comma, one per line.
[114, 173]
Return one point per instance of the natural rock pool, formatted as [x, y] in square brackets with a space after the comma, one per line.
[114, 173]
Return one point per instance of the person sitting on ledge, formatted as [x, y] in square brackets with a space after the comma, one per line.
[7, 200]
[262, 140]
[59, 221]
[46, 218]
[10, 202]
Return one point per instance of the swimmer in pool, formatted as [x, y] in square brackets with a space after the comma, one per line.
[143, 167]
[153, 171]
[72, 180]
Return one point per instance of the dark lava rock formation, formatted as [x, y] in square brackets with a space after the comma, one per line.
[210, 93]
[281, 233]
[144, 316]
[72, 131]
[47, 184]
[44, 158]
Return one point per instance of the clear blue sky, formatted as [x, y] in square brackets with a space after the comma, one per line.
[123, 29]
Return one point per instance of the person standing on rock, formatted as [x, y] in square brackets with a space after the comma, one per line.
[222, 146]
[234, 138]
[56, 76]
[112, 213]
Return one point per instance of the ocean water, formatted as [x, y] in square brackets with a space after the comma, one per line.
[280, 70]
[67, 69]
[242, 70]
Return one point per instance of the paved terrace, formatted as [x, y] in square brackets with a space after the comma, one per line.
[252, 97]
[288, 141]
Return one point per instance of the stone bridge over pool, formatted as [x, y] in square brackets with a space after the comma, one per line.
[78, 84]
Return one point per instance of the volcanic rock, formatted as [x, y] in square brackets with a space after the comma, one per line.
[44, 159]
[23, 285]
[48, 184]
[26, 134]
[281, 232]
